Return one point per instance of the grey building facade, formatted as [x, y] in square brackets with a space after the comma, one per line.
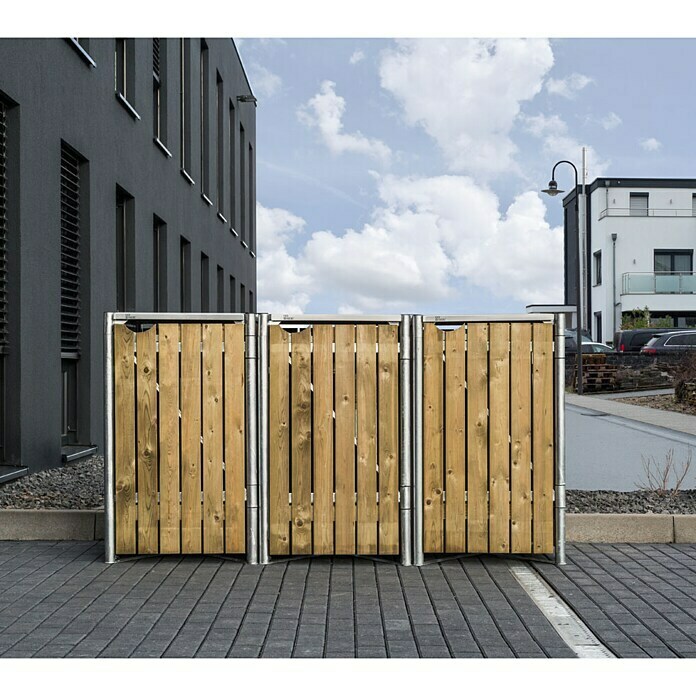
[127, 182]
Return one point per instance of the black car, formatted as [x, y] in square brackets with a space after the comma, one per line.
[673, 342]
[632, 340]
[571, 344]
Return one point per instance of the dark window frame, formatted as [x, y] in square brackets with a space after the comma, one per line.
[125, 251]
[597, 267]
[204, 77]
[124, 74]
[673, 253]
[205, 282]
[159, 257]
[185, 107]
[184, 275]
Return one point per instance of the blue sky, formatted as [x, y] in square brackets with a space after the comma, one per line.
[403, 175]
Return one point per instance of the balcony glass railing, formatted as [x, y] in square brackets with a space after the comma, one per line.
[647, 212]
[664, 283]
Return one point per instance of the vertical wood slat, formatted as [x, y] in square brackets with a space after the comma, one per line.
[279, 441]
[499, 439]
[146, 387]
[124, 440]
[366, 404]
[345, 439]
[301, 443]
[235, 449]
[477, 437]
[543, 455]
[521, 436]
[433, 406]
[455, 441]
[322, 439]
[191, 438]
[388, 417]
[169, 482]
[213, 518]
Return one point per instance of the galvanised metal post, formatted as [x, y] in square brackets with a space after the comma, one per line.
[417, 362]
[405, 502]
[559, 444]
[109, 489]
[252, 471]
[264, 553]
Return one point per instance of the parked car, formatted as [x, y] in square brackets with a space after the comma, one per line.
[571, 344]
[673, 342]
[632, 340]
[596, 348]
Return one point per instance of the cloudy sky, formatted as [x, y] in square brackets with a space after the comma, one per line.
[404, 175]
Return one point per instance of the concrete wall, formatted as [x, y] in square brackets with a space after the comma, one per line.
[57, 96]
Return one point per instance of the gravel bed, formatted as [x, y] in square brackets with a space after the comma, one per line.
[75, 486]
[79, 486]
[683, 502]
[664, 402]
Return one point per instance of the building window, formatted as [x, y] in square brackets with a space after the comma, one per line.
[597, 267]
[242, 298]
[220, 143]
[598, 326]
[185, 275]
[3, 228]
[159, 255]
[125, 252]
[125, 70]
[638, 204]
[693, 204]
[242, 184]
[159, 89]
[251, 301]
[674, 261]
[185, 104]
[232, 133]
[233, 294]
[205, 283]
[220, 289]
[205, 120]
[69, 251]
[252, 196]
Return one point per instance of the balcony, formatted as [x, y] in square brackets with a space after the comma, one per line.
[661, 283]
[647, 212]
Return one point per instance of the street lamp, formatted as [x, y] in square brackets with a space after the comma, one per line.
[553, 190]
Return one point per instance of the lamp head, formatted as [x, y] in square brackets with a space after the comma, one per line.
[553, 189]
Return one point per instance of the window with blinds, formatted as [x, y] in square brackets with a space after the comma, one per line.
[69, 251]
[3, 226]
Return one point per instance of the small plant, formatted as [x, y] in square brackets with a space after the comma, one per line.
[666, 478]
[641, 319]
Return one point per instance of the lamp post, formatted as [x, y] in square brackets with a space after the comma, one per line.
[553, 190]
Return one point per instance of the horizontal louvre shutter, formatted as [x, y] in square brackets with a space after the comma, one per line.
[156, 58]
[3, 226]
[69, 252]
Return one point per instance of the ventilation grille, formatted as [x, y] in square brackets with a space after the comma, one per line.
[3, 226]
[156, 58]
[69, 251]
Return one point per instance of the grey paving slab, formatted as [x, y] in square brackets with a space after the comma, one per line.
[637, 599]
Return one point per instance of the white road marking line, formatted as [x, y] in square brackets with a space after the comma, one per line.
[567, 623]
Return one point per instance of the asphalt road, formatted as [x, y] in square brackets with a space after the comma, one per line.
[607, 452]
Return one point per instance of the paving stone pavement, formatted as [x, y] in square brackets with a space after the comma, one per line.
[638, 599]
[60, 600]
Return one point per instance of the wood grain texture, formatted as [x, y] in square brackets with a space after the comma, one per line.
[235, 450]
[477, 437]
[542, 438]
[213, 517]
[521, 435]
[169, 481]
[433, 407]
[191, 509]
[366, 402]
[322, 439]
[388, 419]
[455, 441]
[124, 440]
[345, 439]
[148, 513]
[301, 443]
[499, 439]
[279, 441]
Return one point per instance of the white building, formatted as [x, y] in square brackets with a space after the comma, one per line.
[641, 237]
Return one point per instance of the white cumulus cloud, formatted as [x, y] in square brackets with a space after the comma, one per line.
[356, 57]
[610, 121]
[264, 82]
[568, 86]
[466, 94]
[324, 111]
[650, 144]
